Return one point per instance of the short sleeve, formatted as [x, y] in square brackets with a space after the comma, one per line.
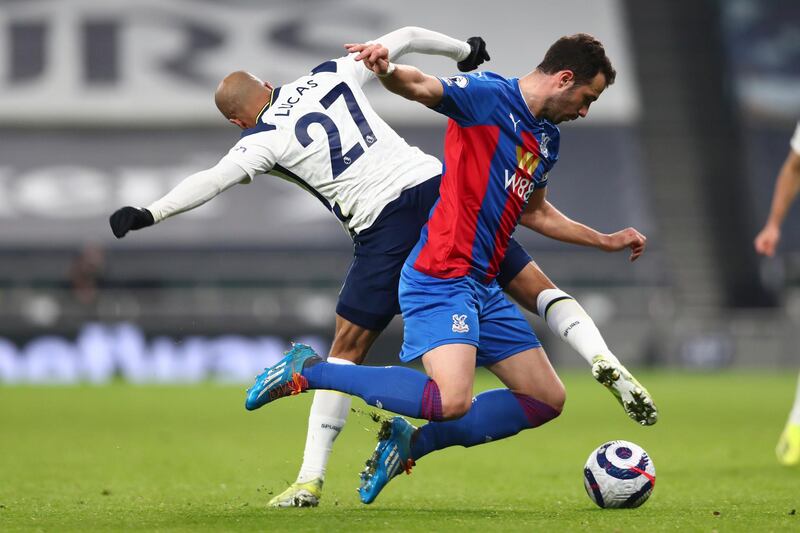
[257, 153]
[795, 142]
[467, 98]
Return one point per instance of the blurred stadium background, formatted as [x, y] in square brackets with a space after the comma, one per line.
[104, 104]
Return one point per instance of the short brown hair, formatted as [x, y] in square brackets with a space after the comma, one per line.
[582, 54]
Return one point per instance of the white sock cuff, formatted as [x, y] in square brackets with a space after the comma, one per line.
[547, 297]
[339, 361]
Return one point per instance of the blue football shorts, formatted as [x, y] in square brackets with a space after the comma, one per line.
[460, 311]
[368, 297]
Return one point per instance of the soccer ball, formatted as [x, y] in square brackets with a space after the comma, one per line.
[619, 474]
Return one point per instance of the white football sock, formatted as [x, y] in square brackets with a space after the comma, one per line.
[569, 321]
[326, 420]
[794, 416]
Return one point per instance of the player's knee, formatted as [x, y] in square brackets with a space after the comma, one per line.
[554, 394]
[455, 407]
[538, 411]
[556, 397]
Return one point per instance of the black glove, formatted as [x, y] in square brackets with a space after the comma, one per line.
[129, 218]
[477, 54]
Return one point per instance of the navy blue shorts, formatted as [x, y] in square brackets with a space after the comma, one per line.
[368, 297]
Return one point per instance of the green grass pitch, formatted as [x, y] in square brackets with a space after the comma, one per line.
[191, 458]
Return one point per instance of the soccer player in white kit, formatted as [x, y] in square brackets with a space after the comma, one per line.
[321, 133]
[787, 186]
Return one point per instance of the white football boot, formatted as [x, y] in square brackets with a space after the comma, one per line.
[633, 397]
[297, 494]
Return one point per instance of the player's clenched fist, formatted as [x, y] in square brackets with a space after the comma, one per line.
[627, 238]
[767, 240]
[129, 218]
[477, 54]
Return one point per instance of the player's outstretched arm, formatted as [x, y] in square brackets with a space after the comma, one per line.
[543, 217]
[786, 188]
[407, 81]
[192, 192]
[413, 39]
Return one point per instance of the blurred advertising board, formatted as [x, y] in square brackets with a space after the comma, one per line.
[157, 62]
[103, 352]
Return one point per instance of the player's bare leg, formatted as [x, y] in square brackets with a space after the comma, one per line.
[532, 289]
[452, 367]
[326, 419]
[530, 373]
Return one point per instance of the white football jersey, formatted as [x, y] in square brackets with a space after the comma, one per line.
[321, 133]
[796, 140]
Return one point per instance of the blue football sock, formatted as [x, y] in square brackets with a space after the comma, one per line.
[394, 388]
[494, 414]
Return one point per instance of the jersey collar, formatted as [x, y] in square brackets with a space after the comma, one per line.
[261, 125]
[272, 98]
[528, 111]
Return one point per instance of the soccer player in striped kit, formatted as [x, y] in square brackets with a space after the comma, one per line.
[501, 142]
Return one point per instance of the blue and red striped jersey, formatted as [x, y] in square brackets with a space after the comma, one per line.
[496, 154]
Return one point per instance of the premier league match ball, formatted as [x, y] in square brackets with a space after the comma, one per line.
[619, 474]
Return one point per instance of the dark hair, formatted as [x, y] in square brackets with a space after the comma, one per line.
[582, 54]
